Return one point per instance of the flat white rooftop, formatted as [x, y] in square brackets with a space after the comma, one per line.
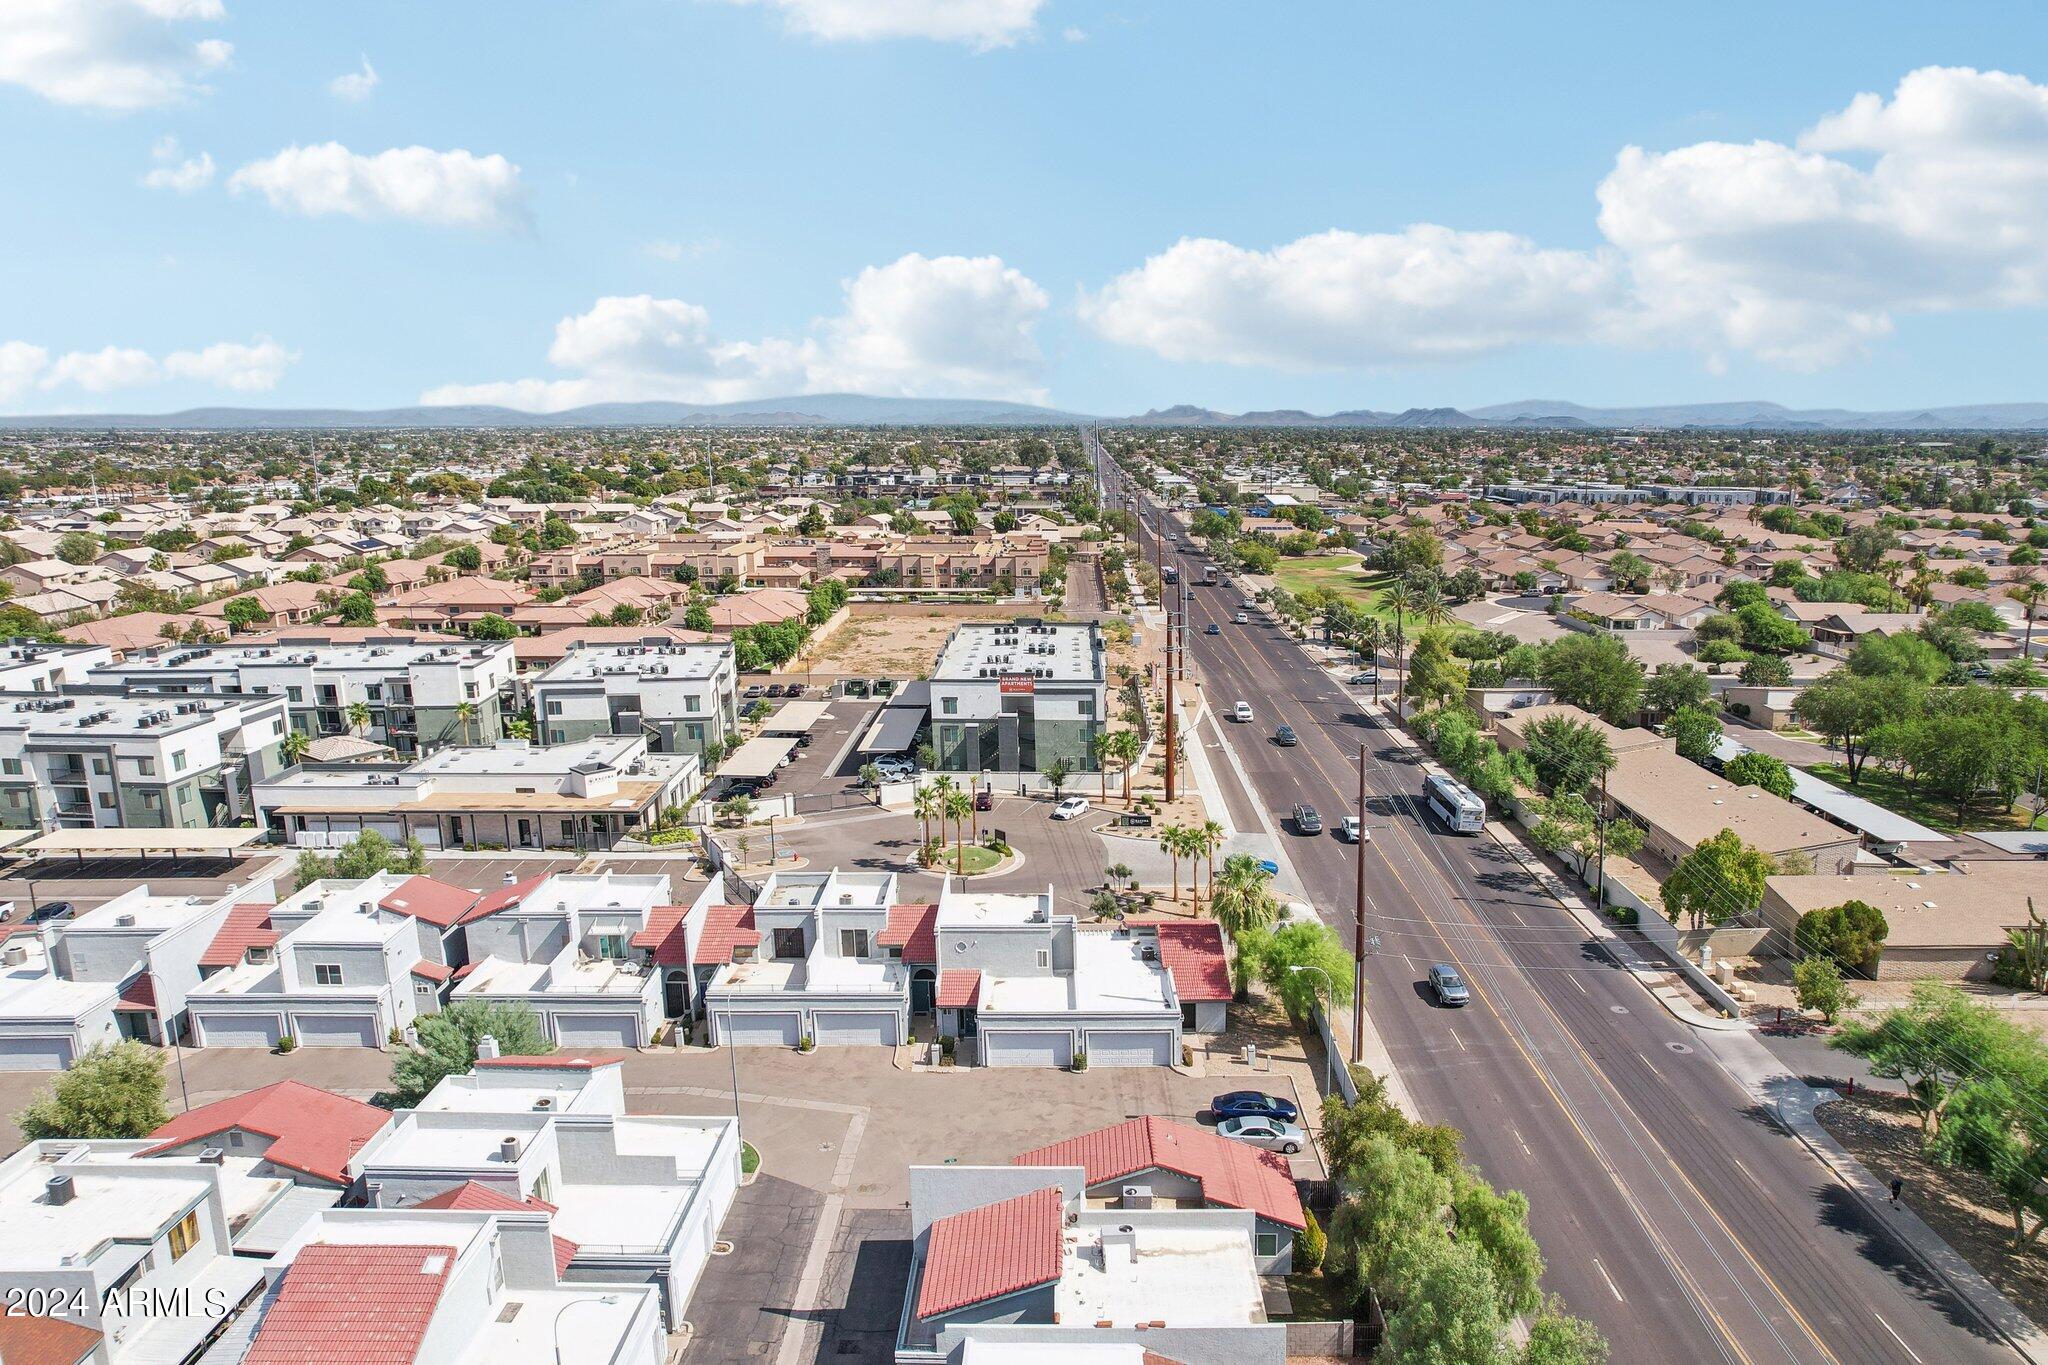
[826, 890]
[107, 1202]
[410, 1144]
[598, 1217]
[143, 911]
[518, 756]
[677, 662]
[1110, 975]
[992, 909]
[30, 991]
[450, 1098]
[1184, 1277]
[840, 975]
[565, 976]
[1066, 651]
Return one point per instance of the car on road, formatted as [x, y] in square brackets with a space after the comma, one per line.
[1212, 629]
[1364, 679]
[1351, 832]
[1243, 618]
[1275, 1135]
[1450, 988]
[1306, 821]
[1285, 737]
[1242, 714]
[985, 799]
[1253, 1104]
[1071, 807]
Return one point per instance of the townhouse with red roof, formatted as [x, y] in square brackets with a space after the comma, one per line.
[1020, 1257]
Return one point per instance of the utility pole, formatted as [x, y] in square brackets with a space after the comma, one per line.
[1600, 824]
[1358, 935]
[1169, 706]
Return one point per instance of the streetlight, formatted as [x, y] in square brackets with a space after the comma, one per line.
[1329, 1052]
[575, 1303]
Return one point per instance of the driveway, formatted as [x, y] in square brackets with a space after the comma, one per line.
[1068, 854]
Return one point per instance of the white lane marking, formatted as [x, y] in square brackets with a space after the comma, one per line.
[1459, 1041]
[1899, 1339]
[1612, 1289]
[1575, 984]
[1523, 1141]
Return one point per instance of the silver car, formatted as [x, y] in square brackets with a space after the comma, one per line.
[1272, 1134]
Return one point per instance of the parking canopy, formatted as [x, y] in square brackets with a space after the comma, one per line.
[82, 841]
[756, 758]
[795, 718]
[893, 731]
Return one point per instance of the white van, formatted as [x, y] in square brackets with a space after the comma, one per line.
[1243, 714]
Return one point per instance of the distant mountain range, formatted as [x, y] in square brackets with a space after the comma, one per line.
[851, 409]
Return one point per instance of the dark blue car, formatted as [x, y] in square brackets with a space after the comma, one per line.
[1252, 1104]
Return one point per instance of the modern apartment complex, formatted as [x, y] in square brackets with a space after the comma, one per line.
[1015, 697]
[680, 696]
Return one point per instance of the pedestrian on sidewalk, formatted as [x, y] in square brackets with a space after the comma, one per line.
[1897, 1186]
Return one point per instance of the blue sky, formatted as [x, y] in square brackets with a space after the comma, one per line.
[1108, 206]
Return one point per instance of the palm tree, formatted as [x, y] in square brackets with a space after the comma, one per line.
[1401, 598]
[1170, 845]
[1430, 604]
[959, 808]
[1103, 747]
[924, 804]
[519, 727]
[2029, 593]
[465, 716]
[1126, 748]
[359, 715]
[1371, 635]
[294, 745]
[1243, 899]
[1206, 838]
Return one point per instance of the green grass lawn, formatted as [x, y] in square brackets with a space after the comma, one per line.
[1316, 1298]
[1341, 574]
[750, 1160]
[1901, 797]
[969, 860]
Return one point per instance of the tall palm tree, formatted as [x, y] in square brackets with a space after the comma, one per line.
[924, 804]
[1401, 599]
[519, 727]
[358, 716]
[294, 745]
[465, 716]
[1431, 607]
[1241, 897]
[1103, 747]
[1170, 845]
[1128, 747]
[959, 807]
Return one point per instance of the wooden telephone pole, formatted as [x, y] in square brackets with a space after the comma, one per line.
[1358, 917]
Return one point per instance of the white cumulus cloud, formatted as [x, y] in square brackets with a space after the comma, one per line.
[418, 184]
[173, 172]
[355, 86]
[919, 326]
[1800, 254]
[236, 366]
[111, 54]
[980, 24]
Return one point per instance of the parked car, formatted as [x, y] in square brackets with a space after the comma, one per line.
[895, 769]
[51, 910]
[1364, 679]
[1275, 1135]
[1243, 618]
[1071, 807]
[774, 689]
[1351, 832]
[985, 799]
[1285, 737]
[1451, 990]
[1253, 1104]
[1243, 714]
[753, 690]
[1306, 821]
[797, 689]
[1269, 867]
[803, 741]
[1212, 629]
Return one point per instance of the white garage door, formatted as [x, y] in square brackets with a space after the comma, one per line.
[597, 1030]
[854, 1030]
[337, 1030]
[1130, 1049]
[758, 1030]
[1027, 1049]
[34, 1054]
[238, 1030]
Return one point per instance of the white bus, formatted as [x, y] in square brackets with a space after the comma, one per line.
[1455, 804]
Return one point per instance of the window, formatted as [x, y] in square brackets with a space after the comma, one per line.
[895, 954]
[693, 731]
[146, 766]
[178, 761]
[1087, 706]
[1044, 958]
[184, 796]
[554, 708]
[327, 973]
[611, 945]
[789, 944]
[99, 767]
[152, 801]
[234, 1137]
[295, 693]
[693, 702]
[185, 1235]
[106, 800]
[853, 943]
[11, 766]
[949, 706]
[1269, 1244]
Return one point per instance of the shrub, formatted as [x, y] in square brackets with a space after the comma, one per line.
[287, 1043]
[806, 1043]
[1310, 1244]
[1081, 1059]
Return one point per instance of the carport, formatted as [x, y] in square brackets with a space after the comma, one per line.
[798, 717]
[758, 757]
[894, 731]
[142, 842]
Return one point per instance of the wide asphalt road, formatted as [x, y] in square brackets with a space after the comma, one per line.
[1670, 1207]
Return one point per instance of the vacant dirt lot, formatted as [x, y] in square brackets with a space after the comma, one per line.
[888, 646]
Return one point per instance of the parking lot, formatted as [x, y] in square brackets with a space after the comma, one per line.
[87, 882]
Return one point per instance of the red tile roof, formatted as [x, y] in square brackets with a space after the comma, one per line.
[726, 927]
[1192, 952]
[246, 927]
[138, 994]
[1236, 1175]
[312, 1130]
[959, 989]
[433, 971]
[664, 935]
[353, 1305]
[997, 1249]
[503, 897]
[45, 1341]
[471, 1194]
[914, 929]
[424, 898]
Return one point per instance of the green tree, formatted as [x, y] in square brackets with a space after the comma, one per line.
[1447, 1311]
[1696, 729]
[491, 626]
[1767, 671]
[1568, 755]
[356, 609]
[1850, 933]
[1720, 879]
[1497, 1223]
[1595, 673]
[1763, 628]
[358, 713]
[1241, 896]
[698, 617]
[1306, 944]
[1997, 1128]
[1773, 774]
[1847, 707]
[1558, 1338]
[78, 547]
[1673, 686]
[448, 1044]
[467, 558]
[109, 1092]
[243, 614]
[1906, 656]
[1817, 985]
[1435, 674]
[1934, 1043]
[1056, 774]
[293, 745]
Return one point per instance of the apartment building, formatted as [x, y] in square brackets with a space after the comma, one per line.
[118, 757]
[1016, 697]
[31, 666]
[418, 696]
[680, 696]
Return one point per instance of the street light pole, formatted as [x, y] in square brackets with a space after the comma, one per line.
[575, 1303]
